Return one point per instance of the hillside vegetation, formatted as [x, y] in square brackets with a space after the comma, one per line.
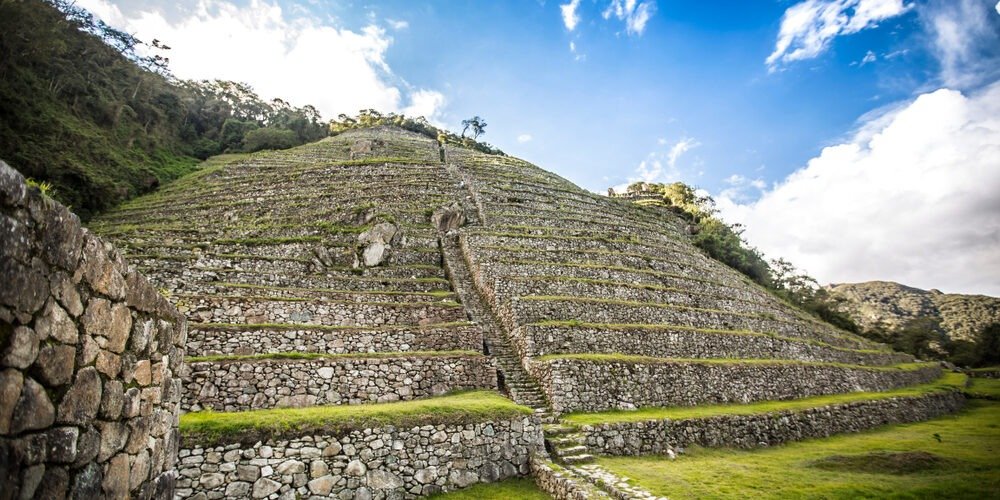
[94, 112]
[962, 328]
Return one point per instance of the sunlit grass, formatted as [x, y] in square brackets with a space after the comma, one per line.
[964, 453]
[209, 427]
[510, 489]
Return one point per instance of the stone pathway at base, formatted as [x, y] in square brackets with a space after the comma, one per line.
[617, 486]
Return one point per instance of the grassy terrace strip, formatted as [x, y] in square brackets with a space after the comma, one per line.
[947, 382]
[304, 326]
[624, 358]
[983, 388]
[256, 298]
[207, 428]
[584, 265]
[432, 293]
[767, 316]
[297, 356]
[637, 286]
[710, 331]
[611, 253]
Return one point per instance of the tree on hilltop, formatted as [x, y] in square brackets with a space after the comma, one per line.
[477, 124]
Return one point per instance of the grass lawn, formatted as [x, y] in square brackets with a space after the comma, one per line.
[986, 388]
[209, 428]
[957, 456]
[520, 488]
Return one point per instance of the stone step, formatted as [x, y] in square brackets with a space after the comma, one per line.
[571, 450]
[558, 430]
[577, 459]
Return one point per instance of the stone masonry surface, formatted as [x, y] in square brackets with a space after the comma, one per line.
[765, 429]
[378, 463]
[584, 385]
[89, 392]
[272, 383]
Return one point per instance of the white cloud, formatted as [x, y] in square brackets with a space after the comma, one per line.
[635, 14]
[965, 40]
[912, 197]
[870, 57]
[523, 138]
[397, 25]
[998, 7]
[682, 146]
[570, 16]
[808, 27]
[426, 103]
[293, 57]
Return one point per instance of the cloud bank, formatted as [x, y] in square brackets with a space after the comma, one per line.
[296, 58]
[912, 197]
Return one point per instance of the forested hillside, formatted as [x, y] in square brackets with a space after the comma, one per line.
[95, 112]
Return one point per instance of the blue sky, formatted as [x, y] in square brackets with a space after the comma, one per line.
[746, 100]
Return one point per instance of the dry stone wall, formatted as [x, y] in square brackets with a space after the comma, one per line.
[766, 429]
[679, 342]
[89, 391]
[239, 310]
[204, 341]
[378, 463]
[237, 385]
[588, 385]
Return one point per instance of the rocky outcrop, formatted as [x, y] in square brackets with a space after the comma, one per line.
[90, 351]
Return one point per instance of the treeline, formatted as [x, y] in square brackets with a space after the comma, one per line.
[922, 337]
[93, 110]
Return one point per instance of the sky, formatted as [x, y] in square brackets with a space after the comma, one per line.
[859, 139]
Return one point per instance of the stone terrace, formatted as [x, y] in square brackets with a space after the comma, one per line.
[309, 277]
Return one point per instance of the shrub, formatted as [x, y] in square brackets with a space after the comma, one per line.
[269, 138]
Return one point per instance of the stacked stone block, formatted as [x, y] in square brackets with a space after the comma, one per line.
[89, 392]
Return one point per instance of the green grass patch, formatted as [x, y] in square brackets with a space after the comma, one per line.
[984, 388]
[520, 488]
[947, 382]
[432, 293]
[322, 355]
[208, 428]
[625, 358]
[958, 457]
[280, 240]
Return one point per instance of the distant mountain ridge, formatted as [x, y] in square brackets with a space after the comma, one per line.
[892, 305]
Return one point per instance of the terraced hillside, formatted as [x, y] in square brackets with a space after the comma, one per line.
[380, 267]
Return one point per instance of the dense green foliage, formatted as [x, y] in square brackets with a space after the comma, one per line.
[925, 338]
[372, 118]
[949, 457]
[93, 111]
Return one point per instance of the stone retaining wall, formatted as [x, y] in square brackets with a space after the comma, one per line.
[89, 351]
[366, 464]
[584, 385]
[247, 384]
[560, 484]
[766, 429]
[523, 312]
[319, 312]
[263, 340]
[539, 340]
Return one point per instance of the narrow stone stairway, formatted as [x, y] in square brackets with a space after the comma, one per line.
[515, 381]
